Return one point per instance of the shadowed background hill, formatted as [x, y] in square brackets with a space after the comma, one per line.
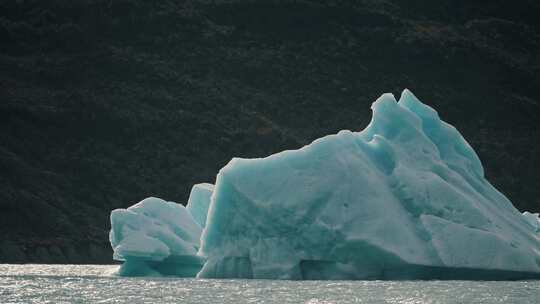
[104, 102]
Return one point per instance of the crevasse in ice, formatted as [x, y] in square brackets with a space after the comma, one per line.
[404, 198]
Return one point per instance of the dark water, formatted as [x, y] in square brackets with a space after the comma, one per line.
[97, 284]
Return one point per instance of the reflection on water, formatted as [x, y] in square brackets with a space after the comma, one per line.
[97, 284]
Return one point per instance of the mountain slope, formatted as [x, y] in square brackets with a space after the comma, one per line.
[104, 103]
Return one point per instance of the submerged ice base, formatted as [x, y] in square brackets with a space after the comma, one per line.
[406, 198]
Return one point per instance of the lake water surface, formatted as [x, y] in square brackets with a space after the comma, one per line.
[97, 284]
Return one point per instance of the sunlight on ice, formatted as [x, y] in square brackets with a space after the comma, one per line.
[404, 198]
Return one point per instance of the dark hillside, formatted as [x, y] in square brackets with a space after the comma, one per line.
[106, 102]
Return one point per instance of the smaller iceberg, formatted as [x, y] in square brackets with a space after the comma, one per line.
[155, 237]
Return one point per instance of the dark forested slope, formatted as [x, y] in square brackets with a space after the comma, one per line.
[105, 102]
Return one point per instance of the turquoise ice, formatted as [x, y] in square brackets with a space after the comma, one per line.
[155, 237]
[199, 201]
[404, 198]
[534, 220]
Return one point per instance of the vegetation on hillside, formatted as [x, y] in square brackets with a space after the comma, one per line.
[106, 102]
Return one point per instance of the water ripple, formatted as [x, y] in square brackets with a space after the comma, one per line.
[96, 284]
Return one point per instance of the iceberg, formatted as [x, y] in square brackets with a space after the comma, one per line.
[406, 198]
[154, 238]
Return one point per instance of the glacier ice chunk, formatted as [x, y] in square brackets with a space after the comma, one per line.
[155, 237]
[533, 219]
[199, 201]
[404, 198]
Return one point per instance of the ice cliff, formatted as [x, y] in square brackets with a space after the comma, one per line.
[404, 198]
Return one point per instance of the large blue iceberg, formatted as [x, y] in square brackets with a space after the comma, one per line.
[404, 198]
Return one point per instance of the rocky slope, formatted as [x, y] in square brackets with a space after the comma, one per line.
[105, 102]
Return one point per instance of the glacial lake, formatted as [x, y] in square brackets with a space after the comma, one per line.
[97, 284]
